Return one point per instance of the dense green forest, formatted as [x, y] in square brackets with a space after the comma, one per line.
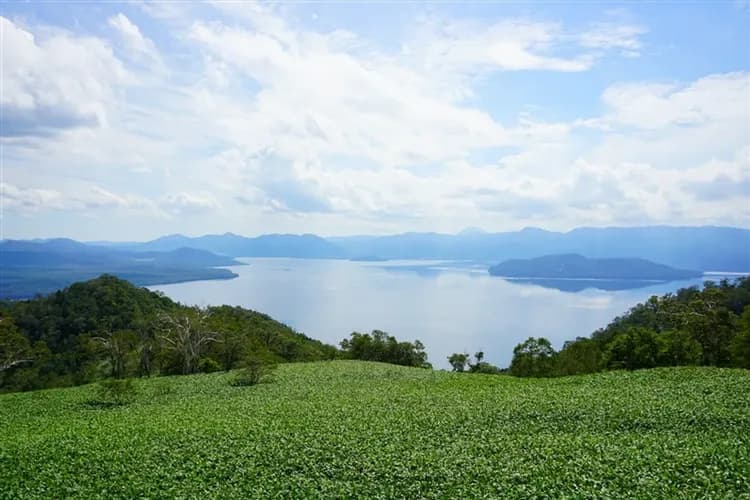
[708, 326]
[108, 327]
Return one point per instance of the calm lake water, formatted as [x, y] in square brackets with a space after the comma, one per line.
[450, 307]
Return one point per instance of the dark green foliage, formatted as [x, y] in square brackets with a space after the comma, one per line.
[114, 392]
[107, 327]
[678, 348]
[379, 346]
[208, 365]
[637, 347]
[534, 357]
[255, 370]
[485, 368]
[740, 347]
[579, 356]
[458, 361]
[690, 327]
[118, 348]
[15, 349]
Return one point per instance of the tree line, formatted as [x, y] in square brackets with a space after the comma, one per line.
[706, 327]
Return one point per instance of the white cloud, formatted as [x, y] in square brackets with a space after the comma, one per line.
[714, 98]
[272, 125]
[470, 47]
[318, 99]
[131, 35]
[185, 203]
[91, 197]
[605, 36]
[54, 80]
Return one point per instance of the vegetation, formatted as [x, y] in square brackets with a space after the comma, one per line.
[107, 327]
[460, 361]
[379, 346]
[255, 371]
[709, 327]
[347, 429]
[578, 266]
[533, 358]
[114, 392]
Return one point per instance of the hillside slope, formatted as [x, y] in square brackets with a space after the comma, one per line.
[346, 429]
[62, 328]
[575, 266]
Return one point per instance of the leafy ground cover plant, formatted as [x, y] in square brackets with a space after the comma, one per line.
[361, 429]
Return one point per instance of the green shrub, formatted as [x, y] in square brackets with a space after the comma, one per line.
[208, 365]
[254, 371]
[114, 392]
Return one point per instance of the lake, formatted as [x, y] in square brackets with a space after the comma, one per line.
[449, 306]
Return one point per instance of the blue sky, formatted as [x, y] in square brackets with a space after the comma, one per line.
[131, 120]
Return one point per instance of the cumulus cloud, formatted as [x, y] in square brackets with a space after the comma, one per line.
[319, 99]
[714, 98]
[54, 80]
[273, 122]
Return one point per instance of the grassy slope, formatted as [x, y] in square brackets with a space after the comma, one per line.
[354, 428]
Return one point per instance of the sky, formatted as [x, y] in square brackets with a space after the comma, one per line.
[127, 121]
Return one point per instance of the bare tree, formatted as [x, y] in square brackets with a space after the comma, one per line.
[187, 335]
[118, 346]
[14, 347]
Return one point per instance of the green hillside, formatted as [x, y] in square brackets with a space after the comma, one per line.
[109, 327]
[348, 428]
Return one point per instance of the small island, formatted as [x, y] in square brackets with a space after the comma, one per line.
[575, 266]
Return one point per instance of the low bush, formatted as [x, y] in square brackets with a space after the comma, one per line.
[253, 372]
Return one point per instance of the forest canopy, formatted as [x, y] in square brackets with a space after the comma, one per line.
[708, 327]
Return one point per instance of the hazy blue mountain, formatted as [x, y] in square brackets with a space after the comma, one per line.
[574, 266]
[705, 248]
[43, 266]
[268, 245]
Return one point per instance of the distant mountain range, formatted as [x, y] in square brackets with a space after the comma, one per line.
[41, 266]
[704, 248]
[574, 266]
[305, 246]
[28, 268]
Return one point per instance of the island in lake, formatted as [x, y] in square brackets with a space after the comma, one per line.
[575, 266]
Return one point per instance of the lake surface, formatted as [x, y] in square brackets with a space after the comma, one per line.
[449, 306]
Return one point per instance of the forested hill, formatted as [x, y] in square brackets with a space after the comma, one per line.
[109, 327]
[575, 266]
[708, 326]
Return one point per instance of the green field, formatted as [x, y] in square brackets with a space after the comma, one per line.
[347, 428]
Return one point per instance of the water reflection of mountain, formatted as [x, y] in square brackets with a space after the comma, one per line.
[578, 285]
